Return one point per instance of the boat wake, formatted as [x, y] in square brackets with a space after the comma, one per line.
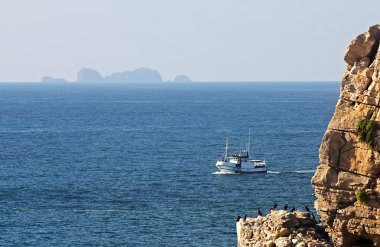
[297, 171]
[270, 172]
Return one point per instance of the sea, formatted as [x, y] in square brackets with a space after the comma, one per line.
[134, 164]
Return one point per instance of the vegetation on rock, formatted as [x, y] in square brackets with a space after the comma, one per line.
[366, 129]
[361, 196]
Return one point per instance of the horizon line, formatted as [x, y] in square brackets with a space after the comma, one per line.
[173, 82]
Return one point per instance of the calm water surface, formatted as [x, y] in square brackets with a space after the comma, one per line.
[132, 165]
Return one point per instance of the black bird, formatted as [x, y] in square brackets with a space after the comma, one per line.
[238, 218]
[259, 212]
[286, 207]
[275, 205]
[307, 208]
[293, 209]
[245, 217]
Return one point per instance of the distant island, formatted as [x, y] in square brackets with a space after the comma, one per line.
[140, 75]
[48, 79]
[182, 78]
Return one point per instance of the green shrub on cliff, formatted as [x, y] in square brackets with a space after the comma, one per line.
[361, 196]
[366, 129]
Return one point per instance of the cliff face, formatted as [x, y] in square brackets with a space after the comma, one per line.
[349, 166]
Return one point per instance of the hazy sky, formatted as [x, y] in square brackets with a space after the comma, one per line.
[209, 40]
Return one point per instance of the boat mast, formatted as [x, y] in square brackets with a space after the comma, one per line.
[226, 151]
[249, 141]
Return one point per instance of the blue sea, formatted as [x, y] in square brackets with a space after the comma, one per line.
[132, 165]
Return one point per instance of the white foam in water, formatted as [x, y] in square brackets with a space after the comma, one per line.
[270, 172]
[305, 171]
[223, 173]
[274, 172]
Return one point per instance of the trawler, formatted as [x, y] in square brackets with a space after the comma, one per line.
[240, 162]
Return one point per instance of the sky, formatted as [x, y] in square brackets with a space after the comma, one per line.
[208, 40]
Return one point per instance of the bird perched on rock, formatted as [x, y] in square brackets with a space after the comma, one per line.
[307, 208]
[312, 216]
[274, 205]
[238, 218]
[293, 209]
[286, 207]
[259, 212]
[245, 217]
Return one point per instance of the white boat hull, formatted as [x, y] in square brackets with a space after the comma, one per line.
[252, 166]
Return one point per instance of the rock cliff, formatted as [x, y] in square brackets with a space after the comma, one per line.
[347, 181]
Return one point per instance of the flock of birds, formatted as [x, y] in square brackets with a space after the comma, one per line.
[274, 208]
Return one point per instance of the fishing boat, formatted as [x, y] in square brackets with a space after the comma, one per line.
[240, 162]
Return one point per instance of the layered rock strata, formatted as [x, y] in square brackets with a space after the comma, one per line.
[347, 164]
[281, 229]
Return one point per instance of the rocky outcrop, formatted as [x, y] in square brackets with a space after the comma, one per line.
[281, 229]
[348, 164]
